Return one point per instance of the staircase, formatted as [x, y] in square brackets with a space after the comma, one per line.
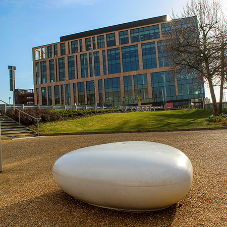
[10, 128]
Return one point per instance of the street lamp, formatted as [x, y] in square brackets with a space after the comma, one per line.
[93, 72]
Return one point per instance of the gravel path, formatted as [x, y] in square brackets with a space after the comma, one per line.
[29, 195]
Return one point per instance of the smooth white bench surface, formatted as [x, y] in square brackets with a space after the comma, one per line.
[133, 175]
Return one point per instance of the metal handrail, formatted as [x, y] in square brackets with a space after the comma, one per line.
[37, 119]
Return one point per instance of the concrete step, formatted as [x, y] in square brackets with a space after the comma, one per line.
[11, 128]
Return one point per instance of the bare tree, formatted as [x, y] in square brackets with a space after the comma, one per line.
[196, 43]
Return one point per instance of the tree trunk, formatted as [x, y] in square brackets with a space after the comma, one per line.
[215, 109]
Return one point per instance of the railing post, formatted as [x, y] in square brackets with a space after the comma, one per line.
[5, 109]
[19, 118]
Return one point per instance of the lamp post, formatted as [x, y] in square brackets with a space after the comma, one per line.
[93, 72]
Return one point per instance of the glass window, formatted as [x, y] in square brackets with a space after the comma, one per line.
[163, 86]
[165, 29]
[112, 91]
[56, 95]
[49, 96]
[90, 92]
[110, 40]
[37, 95]
[114, 63]
[55, 50]
[43, 72]
[104, 61]
[164, 61]
[96, 62]
[81, 46]
[130, 58]
[71, 67]
[62, 95]
[81, 93]
[141, 87]
[74, 92]
[88, 43]
[74, 46]
[37, 73]
[101, 41]
[100, 92]
[123, 37]
[84, 65]
[61, 68]
[52, 74]
[128, 90]
[62, 45]
[149, 55]
[94, 44]
[49, 51]
[145, 33]
[44, 96]
[67, 94]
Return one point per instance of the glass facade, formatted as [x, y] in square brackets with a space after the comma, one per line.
[96, 62]
[67, 94]
[112, 91]
[128, 90]
[133, 66]
[56, 95]
[88, 44]
[74, 46]
[49, 51]
[61, 68]
[114, 63]
[149, 55]
[130, 58]
[81, 45]
[62, 95]
[43, 72]
[94, 43]
[110, 40]
[141, 87]
[71, 67]
[163, 86]
[123, 37]
[49, 96]
[100, 87]
[37, 73]
[145, 33]
[104, 61]
[101, 41]
[74, 93]
[81, 93]
[90, 93]
[62, 45]
[51, 68]
[55, 50]
[44, 96]
[84, 65]
[162, 56]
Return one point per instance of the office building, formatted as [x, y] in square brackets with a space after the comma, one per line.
[129, 68]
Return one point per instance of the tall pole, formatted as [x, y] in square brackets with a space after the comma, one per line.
[65, 91]
[93, 72]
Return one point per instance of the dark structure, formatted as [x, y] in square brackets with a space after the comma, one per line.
[25, 97]
[128, 62]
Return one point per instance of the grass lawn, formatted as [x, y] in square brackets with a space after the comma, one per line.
[171, 119]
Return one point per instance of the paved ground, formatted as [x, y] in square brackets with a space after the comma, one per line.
[30, 197]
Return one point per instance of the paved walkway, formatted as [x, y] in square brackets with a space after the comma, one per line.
[30, 197]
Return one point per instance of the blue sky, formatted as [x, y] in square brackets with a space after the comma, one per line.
[25, 24]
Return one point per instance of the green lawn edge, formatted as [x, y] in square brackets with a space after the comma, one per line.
[133, 122]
